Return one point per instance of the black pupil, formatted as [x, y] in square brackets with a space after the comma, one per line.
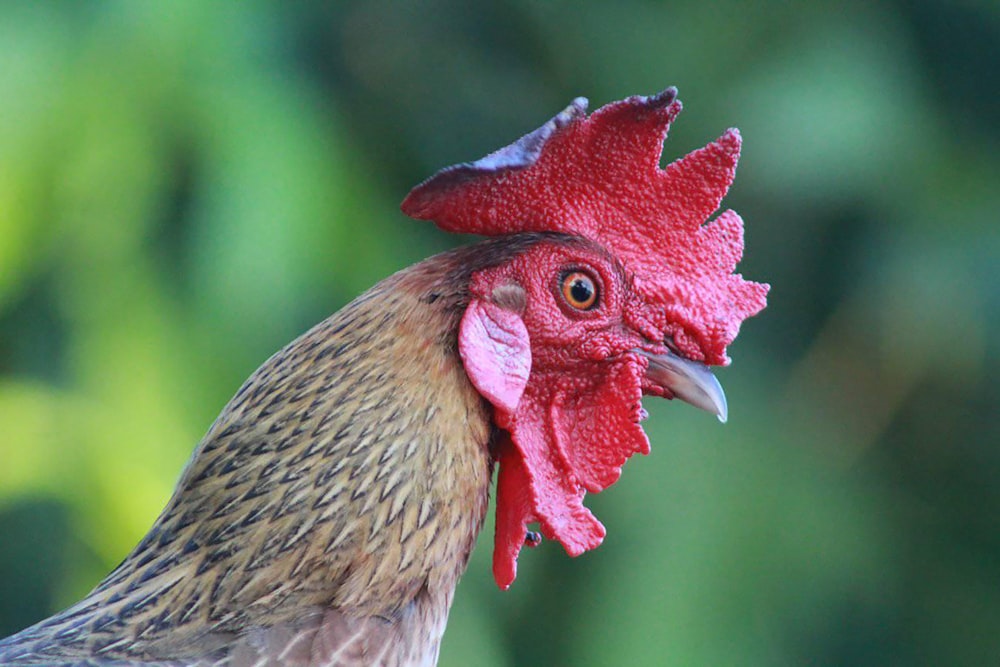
[581, 290]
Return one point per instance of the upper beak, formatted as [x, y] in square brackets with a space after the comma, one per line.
[690, 381]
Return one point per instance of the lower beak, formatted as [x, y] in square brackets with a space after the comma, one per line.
[690, 381]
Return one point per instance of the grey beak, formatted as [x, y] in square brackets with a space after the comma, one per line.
[690, 381]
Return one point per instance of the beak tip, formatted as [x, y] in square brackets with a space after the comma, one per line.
[723, 408]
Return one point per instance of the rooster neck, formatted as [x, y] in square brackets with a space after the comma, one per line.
[341, 488]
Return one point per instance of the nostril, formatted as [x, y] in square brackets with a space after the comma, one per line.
[668, 340]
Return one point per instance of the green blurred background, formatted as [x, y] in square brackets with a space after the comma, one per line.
[186, 186]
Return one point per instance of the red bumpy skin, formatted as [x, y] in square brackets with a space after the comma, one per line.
[597, 177]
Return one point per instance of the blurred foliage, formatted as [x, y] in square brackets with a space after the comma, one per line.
[186, 186]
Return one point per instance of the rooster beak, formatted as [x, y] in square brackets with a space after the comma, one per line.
[690, 381]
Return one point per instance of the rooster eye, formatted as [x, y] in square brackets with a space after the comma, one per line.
[579, 290]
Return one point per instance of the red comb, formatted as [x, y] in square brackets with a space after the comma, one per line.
[599, 177]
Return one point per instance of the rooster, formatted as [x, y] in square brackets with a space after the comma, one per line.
[329, 512]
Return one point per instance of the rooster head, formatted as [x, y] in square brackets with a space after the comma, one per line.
[627, 291]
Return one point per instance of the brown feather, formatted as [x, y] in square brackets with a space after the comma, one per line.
[326, 516]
